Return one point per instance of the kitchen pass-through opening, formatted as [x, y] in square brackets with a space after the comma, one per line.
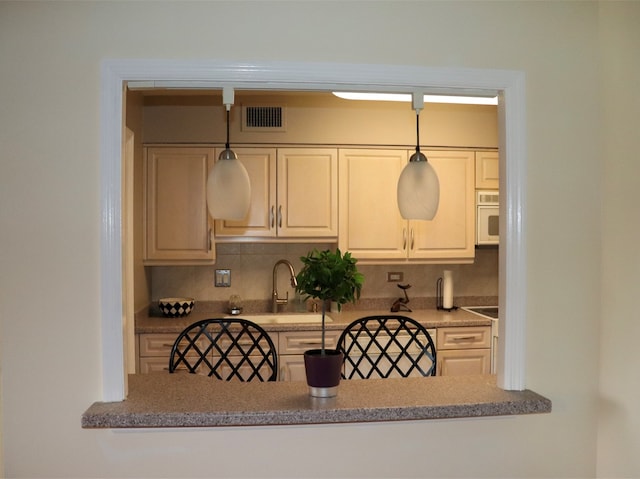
[509, 86]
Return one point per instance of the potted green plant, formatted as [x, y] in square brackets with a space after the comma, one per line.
[328, 276]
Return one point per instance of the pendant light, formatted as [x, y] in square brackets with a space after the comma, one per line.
[228, 186]
[418, 185]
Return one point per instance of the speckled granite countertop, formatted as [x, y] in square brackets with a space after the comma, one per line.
[189, 400]
[431, 318]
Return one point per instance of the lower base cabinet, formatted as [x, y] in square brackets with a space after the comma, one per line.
[460, 350]
[464, 350]
[154, 350]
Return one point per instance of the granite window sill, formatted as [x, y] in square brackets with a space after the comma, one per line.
[184, 400]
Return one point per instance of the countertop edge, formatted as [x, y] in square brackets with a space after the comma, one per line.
[186, 401]
[430, 318]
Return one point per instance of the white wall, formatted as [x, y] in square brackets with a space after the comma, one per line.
[49, 211]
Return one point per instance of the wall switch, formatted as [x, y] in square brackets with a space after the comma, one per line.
[223, 278]
[395, 277]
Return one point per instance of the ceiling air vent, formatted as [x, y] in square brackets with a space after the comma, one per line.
[263, 118]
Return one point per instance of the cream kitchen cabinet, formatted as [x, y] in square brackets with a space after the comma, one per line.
[463, 350]
[291, 348]
[371, 227]
[153, 351]
[294, 194]
[487, 170]
[177, 228]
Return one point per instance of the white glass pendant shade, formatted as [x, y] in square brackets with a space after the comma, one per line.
[418, 189]
[228, 188]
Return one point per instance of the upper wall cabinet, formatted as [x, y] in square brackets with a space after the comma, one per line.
[371, 227]
[487, 170]
[177, 229]
[294, 194]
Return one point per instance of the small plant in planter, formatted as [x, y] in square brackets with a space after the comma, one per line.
[327, 276]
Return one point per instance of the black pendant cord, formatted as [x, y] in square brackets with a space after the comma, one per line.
[226, 145]
[417, 132]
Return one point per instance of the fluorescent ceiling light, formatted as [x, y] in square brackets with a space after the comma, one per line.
[465, 100]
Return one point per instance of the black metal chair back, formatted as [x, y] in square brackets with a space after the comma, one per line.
[227, 349]
[386, 346]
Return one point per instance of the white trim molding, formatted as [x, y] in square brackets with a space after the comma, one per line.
[508, 85]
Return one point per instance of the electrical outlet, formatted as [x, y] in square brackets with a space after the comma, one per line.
[223, 278]
[394, 277]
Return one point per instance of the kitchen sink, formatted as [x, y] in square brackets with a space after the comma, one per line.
[286, 318]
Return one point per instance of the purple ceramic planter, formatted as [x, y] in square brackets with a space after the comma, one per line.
[323, 371]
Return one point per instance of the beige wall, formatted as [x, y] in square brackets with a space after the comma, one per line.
[619, 392]
[50, 215]
[320, 118]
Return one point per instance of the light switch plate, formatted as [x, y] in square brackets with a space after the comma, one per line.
[223, 278]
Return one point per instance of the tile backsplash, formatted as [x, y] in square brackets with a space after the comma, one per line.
[251, 266]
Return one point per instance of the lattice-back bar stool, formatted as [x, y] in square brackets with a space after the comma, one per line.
[387, 346]
[227, 349]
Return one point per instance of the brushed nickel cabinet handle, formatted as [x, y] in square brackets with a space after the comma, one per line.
[308, 343]
[412, 242]
[272, 216]
[404, 238]
[280, 216]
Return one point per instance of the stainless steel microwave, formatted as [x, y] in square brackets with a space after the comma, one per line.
[487, 217]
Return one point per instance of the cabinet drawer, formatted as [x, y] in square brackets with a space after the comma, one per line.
[154, 345]
[464, 337]
[157, 344]
[297, 342]
[393, 344]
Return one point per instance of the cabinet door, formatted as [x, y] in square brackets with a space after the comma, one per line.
[370, 223]
[153, 365]
[451, 234]
[307, 192]
[177, 221]
[261, 218]
[487, 170]
[292, 368]
[464, 362]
